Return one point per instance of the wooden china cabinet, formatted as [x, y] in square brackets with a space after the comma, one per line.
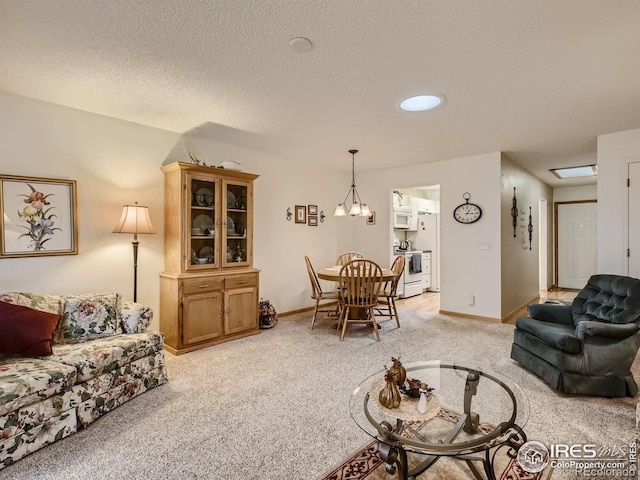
[209, 289]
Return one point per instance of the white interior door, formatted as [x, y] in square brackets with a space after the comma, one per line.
[543, 240]
[634, 219]
[577, 225]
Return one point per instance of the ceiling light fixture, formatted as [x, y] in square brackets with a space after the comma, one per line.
[300, 44]
[358, 209]
[575, 172]
[420, 103]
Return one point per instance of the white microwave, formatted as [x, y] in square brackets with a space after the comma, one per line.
[401, 219]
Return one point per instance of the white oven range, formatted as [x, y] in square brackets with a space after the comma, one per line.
[411, 280]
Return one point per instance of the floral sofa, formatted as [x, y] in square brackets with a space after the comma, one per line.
[89, 354]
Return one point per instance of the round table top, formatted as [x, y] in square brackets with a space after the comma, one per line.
[332, 274]
[501, 404]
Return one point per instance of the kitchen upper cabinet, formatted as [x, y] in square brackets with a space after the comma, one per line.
[426, 206]
[413, 223]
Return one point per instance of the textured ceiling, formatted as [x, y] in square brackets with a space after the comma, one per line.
[538, 80]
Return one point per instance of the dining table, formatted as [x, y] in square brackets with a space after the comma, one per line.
[332, 274]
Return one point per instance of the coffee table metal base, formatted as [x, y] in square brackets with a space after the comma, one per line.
[394, 455]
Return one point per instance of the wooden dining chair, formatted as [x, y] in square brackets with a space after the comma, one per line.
[362, 281]
[318, 295]
[347, 257]
[387, 301]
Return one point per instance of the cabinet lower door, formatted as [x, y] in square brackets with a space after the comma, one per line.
[241, 310]
[201, 317]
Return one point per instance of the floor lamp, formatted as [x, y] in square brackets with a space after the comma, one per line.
[135, 219]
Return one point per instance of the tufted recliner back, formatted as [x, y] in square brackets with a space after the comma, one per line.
[609, 299]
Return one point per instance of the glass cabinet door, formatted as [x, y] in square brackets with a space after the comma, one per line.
[237, 223]
[203, 223]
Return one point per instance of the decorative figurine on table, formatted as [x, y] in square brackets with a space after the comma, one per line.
[389, 396]
[399, 370]
[422, 403]
[414, 387]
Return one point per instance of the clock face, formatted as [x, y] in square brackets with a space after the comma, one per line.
[467, 213]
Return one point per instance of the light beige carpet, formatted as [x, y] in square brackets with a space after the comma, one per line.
[275, 405]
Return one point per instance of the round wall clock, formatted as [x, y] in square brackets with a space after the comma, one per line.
[467, 212]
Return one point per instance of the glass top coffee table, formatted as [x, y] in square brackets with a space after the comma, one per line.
[470, 414]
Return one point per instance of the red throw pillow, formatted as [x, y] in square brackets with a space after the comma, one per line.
[25, 331]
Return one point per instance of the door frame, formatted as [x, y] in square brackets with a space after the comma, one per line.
[555, 234]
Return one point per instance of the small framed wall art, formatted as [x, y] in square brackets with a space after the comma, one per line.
[371, 219]
[312, 210]
[38, 217]
[313, 221]
[301, 214]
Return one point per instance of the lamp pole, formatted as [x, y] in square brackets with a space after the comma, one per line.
[135, 244]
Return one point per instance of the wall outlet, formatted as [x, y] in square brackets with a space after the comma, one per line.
[472, 299]
[485, 245]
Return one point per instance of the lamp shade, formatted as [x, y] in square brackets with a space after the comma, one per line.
[135, 219]
[341, 210]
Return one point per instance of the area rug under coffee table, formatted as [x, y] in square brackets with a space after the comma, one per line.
[365, 464]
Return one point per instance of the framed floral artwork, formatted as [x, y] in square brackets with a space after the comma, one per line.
[38, 218]
[312, 220]
[301, 214]
[312, 209]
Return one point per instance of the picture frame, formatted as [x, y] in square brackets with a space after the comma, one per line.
[371, 219]
[301, 214]
[38, 217]
[312, 220]
[312, 210]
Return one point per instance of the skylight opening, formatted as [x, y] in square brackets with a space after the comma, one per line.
[421, 103]
[575, 172]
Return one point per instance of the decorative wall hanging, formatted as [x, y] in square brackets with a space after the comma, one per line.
[322, 216]
[301, 214]
[312, 209]
[514, 213]
[289, 214]
[38, 217]
[371, 219]
[312, 220]
[530, 228]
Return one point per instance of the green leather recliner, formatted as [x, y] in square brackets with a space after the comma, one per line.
[587, 347]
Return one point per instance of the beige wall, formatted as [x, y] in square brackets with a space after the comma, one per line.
[116, 162]
[615, 152]
[520, 265]
[465, 268]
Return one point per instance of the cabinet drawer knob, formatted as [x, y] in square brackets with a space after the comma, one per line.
[242, 281]
[203, 286]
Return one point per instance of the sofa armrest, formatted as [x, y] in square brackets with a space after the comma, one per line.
[136, 317]
[607, 330]
[551, 312]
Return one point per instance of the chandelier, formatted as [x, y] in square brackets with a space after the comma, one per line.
[358, 208]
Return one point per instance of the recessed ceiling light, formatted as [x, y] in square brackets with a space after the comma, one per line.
[575, 172]
[420, 103]
[300, 44]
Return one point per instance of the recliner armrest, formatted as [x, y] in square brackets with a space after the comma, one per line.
[607, 330]
[551, 312]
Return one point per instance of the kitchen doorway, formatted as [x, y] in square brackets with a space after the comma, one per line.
[416, 232]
